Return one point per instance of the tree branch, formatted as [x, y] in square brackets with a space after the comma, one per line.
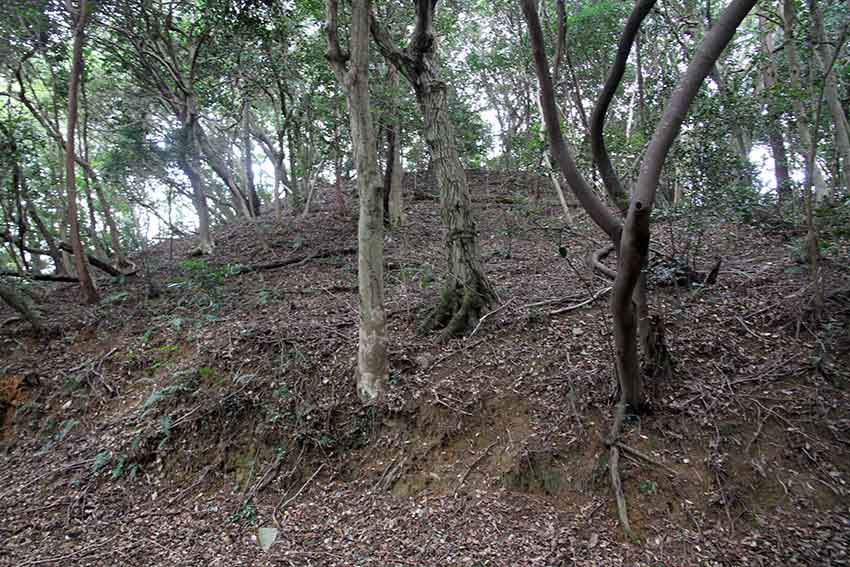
[597, 121]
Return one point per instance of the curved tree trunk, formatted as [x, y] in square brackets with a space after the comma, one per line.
[634, 244]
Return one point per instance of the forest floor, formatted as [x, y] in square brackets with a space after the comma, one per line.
[166, 430]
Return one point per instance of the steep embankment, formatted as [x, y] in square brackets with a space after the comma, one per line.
[162, 430]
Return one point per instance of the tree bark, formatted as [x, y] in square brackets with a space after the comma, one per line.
[247, 160]
[466, 291]
[393, 206]
[80, 17]
[801, 114]
[187, 158]
[634, 245]
[824, 54]
[14, 300]
[775, 137]
[372, 369]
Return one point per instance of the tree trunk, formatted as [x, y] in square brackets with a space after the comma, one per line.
[55, 253]
[188, 161]
[91, 178]
[775, 136]
[372, 370]
[824, 54]
[14, 300]
[247, 161]
[803, 129]
[634, 245]
[393, 206]
[240, 200]
[86, 284]
[466, 291]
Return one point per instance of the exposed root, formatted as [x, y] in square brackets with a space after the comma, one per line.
[459, 309]
[596, 261]
[614, 468]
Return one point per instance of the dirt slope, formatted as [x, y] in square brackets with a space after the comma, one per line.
[165, 430]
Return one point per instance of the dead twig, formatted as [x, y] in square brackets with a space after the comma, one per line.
[484, 317]
[647, 458]
[60, 559]
[474, 464]
[591, 299]
[296, 495]
[295, 261]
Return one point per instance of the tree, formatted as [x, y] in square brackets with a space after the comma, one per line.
[804, 129]
[79, 17]
[393, 174]
[632, 237]
[352, 73]
[466, 291]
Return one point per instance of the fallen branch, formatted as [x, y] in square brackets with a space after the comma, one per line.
[592, 298]
[553, 301]
[39, 277]
[295, 260]
[474, 464]
[65, 247]
[296, 495]
[61, 558]
[484, 317]
[647, 458]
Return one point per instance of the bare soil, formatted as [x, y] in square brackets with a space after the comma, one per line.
[166, 429]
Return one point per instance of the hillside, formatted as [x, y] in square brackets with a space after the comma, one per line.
[164, 428]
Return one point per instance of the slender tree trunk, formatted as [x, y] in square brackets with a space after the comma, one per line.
[188, 161]
[240, 199]
[87, 289]
[553, 171]
[824, 54]
[297, 195]
[641, 97]
[92, 179]
[247, 160]
[801, 114]
[775, 136]
[372, 370]
[55, 253]
[393, 207]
